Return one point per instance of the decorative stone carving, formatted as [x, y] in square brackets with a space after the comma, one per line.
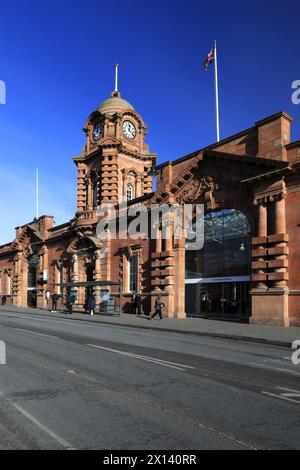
[206, 186]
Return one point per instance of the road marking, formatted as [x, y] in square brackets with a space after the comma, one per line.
[41, 426]
[161, 362]
[34, 332]
[281, 397]
[23, 330]
[273, 368]
[291, 393]
[280, 360]
[48, 431]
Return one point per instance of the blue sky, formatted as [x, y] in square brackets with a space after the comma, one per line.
[57, 61]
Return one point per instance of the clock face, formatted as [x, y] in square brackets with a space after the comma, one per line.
[129, 130]
[97, 131]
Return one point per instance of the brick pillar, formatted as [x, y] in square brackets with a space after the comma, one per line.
[75, 273]
[97, 275]
[179, 252]
[259, 251]
[270, 306]
[19, 299]
[262, 234]
[280, 261]
[168, 270]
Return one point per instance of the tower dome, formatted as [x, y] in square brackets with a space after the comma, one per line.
[115, 104]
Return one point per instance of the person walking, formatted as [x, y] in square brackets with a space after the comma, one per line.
[54, 298]
[133, 303]
[157, 308]
[138, 304]
[70, 302]
[91, 304]
[3, 300]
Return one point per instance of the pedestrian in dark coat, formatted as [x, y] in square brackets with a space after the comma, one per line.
[158, 308]
[54, 298]
[138, 304]
[91, 304]
[70, 302]
[133, 303]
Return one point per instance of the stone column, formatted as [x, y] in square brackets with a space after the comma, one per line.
[262, 220]
[41, 299]
[19, 298]
[124, 185]
[262, 233]
[75, 273]
[280, 229]
[81, 193]
[138, 186]
[97, 275]
[89, 194]
[179, 257]
[158, 240]
[280, 220]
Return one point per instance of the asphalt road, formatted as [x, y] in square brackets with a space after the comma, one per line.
[77, 385]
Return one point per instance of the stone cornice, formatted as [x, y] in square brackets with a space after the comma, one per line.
[279, 173]
[293, 145]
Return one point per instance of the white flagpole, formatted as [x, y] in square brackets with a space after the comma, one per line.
[116, 76]
[217, 93]
[37, 193]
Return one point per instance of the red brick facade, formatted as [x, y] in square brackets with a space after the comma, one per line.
[255, 172]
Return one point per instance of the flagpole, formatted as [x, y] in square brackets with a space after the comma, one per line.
[37, 193]
[217, 94]
[116, 77]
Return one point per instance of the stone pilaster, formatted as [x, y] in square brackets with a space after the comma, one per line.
[270, 306]
[259, 252]
[97, 275]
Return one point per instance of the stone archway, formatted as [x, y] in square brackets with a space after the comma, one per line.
[84, 261]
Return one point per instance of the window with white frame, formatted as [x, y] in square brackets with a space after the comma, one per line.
[58, 279]
[8, 284]
[129, 192]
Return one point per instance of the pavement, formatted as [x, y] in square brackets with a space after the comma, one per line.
[78, 385]
[268, 334]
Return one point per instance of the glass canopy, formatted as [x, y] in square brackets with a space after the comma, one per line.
[226, 249]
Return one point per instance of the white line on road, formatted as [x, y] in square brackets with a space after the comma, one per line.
[160, 362]
[48, 431]
[288, 393]
[41, 426]
[287, 371]
[289, 390]
[280, 397]
[33, 332]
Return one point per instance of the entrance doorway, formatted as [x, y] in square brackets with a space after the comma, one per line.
[220, 300]
[33, 263]
[89, 278]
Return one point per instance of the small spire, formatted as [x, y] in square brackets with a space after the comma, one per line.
[116, 77]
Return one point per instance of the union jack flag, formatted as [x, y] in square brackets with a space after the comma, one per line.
[210, 57]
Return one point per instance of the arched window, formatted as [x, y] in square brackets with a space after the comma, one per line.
[129, 192]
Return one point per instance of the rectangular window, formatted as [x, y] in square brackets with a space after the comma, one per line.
[133, 274]
[58, 280]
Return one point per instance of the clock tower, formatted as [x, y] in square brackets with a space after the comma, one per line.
[116, 162]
